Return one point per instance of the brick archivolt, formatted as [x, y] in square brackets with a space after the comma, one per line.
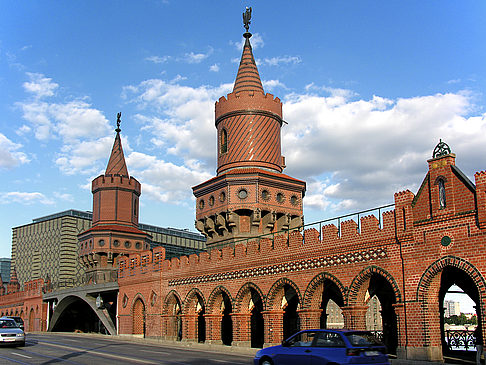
[193, 298]
[244, 296]
[359, 286]
[216, 298]
[172, 300]
[277, 292]
[312, 296]
[423, 288]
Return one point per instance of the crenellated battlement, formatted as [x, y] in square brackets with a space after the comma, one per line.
[363, 237]
[248, 100]
[115, 181]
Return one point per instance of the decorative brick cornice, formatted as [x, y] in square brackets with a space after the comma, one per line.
[314, 263]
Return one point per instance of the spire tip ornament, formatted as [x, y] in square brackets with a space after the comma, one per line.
[441, 149]
[118, 121]
[247, 21]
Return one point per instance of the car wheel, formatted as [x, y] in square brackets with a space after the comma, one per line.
[266, 361]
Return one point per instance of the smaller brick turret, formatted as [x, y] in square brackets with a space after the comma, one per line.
[115, 219]
[13, 286]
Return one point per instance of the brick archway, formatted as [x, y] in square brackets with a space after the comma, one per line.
[242, 299]
[172, 316]
[312, 298]
[276, 293]
[427, 296]
[194, 326]
[138, 316]
[215, 299]
[357, 289]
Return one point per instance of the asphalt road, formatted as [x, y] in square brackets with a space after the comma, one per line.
[69, 349]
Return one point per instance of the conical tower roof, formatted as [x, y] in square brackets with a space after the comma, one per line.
[248, 78]
[116, 164]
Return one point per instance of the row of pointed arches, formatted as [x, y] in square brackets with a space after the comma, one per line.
[253, 317]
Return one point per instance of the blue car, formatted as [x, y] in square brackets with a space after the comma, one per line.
[325, 347]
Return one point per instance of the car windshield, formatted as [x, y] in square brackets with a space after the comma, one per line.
[362, 339]
[7, 323]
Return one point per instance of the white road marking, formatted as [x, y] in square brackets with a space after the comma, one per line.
[16, 353]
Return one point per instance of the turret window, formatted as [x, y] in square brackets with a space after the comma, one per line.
[224, 141]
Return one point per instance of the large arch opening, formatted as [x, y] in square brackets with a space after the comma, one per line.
[457, 337]
[290, 302]
[195, 309]
[331, 301]
[226, 321]
[78, 316]
[382, 290]
[436, 281]
[249, 301]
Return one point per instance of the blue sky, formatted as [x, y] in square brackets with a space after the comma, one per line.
[368, 88]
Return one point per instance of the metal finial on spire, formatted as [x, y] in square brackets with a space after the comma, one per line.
[441, 149]
[247, 18]
[118, 121]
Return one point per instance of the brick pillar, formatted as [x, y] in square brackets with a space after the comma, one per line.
[273, 327]
[213, 328]
[241, 329]
[189, 330]
[355, 317]
[310, 318]
[400, 312]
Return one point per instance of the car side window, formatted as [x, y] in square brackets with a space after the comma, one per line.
[329, 339]
[303, 339]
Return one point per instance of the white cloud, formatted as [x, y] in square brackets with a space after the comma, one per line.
[158, 59]
[40, 85]
[64, 196]
[24, 198]
[272, 84]
[192, 57]
[69, 121]
[285, 60]
[214, 68]
[86, 157]
[9, 154]
[370, 149]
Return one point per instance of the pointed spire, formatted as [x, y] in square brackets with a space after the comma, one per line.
[116, 164]
[248, 78]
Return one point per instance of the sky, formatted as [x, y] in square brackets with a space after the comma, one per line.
[369, 88]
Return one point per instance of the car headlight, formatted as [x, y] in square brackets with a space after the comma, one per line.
[258, 353]
[20, 335]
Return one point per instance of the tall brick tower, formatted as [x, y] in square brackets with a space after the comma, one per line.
[115, 218]
[250, 195]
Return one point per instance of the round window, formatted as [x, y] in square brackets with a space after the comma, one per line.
[211, 200]
[294, 200]
[116, 243]
[128, 244]
[138, 245]
[280, 197]
[101, 243]
[242, 194]
[201, 204]
[265, 195]
[222, 196]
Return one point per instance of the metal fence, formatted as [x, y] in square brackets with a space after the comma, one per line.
[460, 340]
[377, 212]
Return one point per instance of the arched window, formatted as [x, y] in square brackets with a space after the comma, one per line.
[224, 141]
[442, 193]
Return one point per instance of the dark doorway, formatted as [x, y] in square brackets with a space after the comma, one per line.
[290, 318]
[226, 321]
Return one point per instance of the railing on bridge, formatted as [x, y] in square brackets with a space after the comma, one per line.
[316, 225]
[460, 340]
[82, 280]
